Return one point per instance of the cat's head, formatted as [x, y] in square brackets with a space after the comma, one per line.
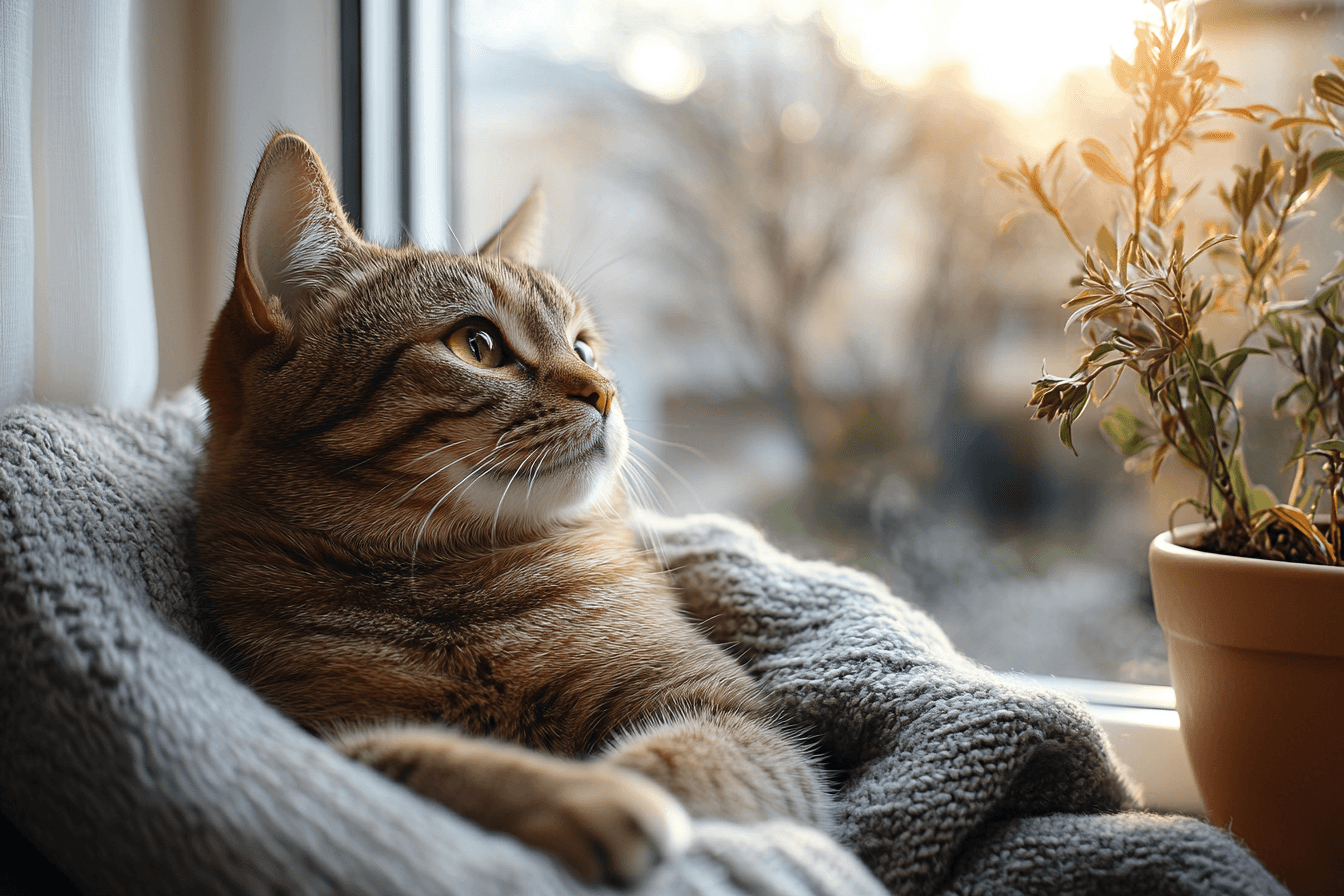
[412, 393]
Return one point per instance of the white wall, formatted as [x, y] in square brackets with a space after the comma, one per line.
[217, 77]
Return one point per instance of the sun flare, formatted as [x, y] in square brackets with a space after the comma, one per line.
[1015, 53]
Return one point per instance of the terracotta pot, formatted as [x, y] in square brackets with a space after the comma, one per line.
[1257, 663]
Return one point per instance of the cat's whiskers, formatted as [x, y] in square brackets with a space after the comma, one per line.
[583, 276]
[536, 471]
[635, 435]
[477, 471]
[494, 525]
[405, 497]
[364, 460]
[636, 478]
[649, 480]
[700, 455]
[462, 250]
[403, 468]
[433, 451]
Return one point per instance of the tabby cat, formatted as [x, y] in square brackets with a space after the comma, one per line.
[411, 536]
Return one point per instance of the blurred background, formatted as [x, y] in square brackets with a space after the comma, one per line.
[782, 212]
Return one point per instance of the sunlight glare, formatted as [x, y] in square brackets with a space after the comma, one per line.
[656, 63]
[899, 42]
[1017, 53]
[1014, 53]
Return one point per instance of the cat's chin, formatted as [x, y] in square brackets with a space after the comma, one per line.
[562, 492]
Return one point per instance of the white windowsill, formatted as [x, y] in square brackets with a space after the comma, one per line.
[1145, 733]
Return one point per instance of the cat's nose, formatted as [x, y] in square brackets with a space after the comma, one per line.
[597, 393]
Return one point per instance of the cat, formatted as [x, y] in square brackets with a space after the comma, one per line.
[413, 541]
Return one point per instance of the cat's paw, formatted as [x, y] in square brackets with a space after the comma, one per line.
[607, 824]
[604, 822]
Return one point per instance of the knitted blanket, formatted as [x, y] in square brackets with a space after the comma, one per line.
[137, 764]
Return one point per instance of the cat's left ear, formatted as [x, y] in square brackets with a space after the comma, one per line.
[520, 237]
[295, 235]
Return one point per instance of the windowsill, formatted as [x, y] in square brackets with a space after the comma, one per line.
[1145, 732]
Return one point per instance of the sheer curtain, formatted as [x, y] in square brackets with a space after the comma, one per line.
[77, 317]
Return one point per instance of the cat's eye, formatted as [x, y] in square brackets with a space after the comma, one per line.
[478, 343]
[585, 352]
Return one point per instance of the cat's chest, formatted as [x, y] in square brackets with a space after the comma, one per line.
[559, 655]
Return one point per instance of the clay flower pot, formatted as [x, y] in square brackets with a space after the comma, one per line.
[1257, 662]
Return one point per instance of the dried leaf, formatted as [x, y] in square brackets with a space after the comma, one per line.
[1123, 73]
[1241, 112]
[1218, 136]
[1294, 518]
[1329, 87]
[1158, 456]
[1209, 244]
[1296, 120]
[1009, 218]
[1098, 159]
[1106, 246]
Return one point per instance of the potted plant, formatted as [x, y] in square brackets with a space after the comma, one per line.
[1252, 600]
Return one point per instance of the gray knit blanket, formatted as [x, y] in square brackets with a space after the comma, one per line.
[137, 764]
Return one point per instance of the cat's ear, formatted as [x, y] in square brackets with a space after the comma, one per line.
[294, 232]
[520, 237]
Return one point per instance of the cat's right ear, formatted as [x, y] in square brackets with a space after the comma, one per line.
[294, 233]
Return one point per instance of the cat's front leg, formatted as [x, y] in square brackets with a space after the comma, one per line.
[728, 764]
[604, 822]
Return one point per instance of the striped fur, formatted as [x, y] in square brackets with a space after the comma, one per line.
[426, 560]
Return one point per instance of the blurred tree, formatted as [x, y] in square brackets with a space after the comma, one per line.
[772, 176]
[772, 167]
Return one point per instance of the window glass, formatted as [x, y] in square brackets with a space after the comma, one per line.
[783, 213]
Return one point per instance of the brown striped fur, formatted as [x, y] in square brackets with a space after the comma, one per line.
[396, 541]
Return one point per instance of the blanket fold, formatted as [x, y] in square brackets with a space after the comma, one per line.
[137, 764]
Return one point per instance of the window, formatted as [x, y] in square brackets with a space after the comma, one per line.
[783, 214]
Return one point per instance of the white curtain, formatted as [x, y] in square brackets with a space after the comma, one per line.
[77, 317]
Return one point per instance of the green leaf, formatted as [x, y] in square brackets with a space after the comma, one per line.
[1125, 430]
[1201, 420]
[1325, 298]
[1286, 397]
[1066, 425]
[1331, 160]
[1254, 498]
[1329, 445]
[1219, 505]
[1241, 484]
[1232, 364]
